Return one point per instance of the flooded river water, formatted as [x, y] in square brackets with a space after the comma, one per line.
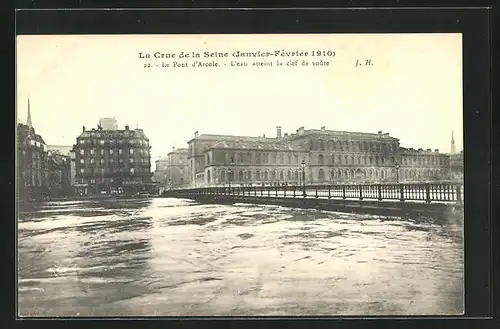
[171, 257]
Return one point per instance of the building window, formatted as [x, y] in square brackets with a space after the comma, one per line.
[132, 171]
[131, 160]
[101, 141]
[257, 175]
[82, 152]
[266, 175]
[321, 145]
[320, 159]
[82, 161]
[321, 175]
[81, 170]
[131, 151]
[102, 161]
[102, 152]
[120, 151]
[111, 161]
[92, 161]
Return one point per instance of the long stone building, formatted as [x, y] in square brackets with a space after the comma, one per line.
[329, 157]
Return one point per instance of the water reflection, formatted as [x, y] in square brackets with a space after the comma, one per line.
[176, 257]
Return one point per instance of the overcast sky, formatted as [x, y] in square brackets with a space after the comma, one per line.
[413, 90]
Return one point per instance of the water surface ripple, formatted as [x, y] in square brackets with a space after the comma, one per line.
[170, 257]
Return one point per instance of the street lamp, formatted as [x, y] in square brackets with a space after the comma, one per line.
[396, 166]
[303, 164]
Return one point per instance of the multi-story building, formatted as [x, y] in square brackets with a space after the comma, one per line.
[457, 166]
[59, 174]
[32, 171]
[423, 165]
[328, 157]
[113, 161]
[177, 174]
[160, 174]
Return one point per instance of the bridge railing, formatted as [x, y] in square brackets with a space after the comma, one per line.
[417, 192]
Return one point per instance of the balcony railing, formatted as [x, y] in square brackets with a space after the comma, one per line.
[419, 192]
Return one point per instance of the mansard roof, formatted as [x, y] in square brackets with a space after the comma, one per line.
[254, 145]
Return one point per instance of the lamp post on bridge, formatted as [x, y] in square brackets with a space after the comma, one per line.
[303, 164]
[396, 166]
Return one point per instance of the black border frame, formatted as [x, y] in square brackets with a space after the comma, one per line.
[473, 23]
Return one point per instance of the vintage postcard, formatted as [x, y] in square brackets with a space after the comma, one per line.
[240, 175]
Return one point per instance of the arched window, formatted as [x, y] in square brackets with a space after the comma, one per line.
[257, 175]
[332, 175]
[339, 146]
[320, 159]
[346, 159]
[353, 173]
[249, 157]
[331, 145]
[296, 175]
[266, 175]
[289, 175]
[273, 175]
[223, 175]
[289, 159]
[282, 178]
[321, 175]
[377, 159]
[332, 159]
[321, 145]
[240, 175]
[352, 159]
[339, 173]
[208, 176]
[257, 158]
[249, 175]
[339, 159]
[282, 159]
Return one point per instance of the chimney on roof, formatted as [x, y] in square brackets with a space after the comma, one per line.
[278, 132]
[436, 150]
[173, 148]
[127, 127]
[323, 128]
[83, 128]
[300, 131]
[379, 132]
[286, 134]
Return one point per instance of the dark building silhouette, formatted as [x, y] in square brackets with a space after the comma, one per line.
[32, 170]
[59, 174]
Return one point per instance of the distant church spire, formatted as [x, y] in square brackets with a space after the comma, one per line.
[452, 149]
[28, 121]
